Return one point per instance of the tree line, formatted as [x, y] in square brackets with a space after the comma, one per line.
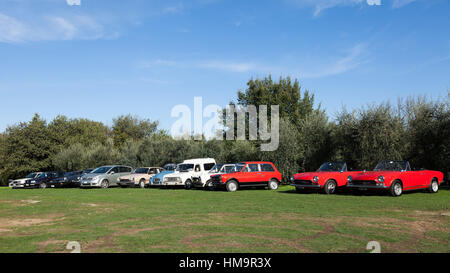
[415, 129]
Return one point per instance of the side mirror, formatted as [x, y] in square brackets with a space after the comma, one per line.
[112, 172]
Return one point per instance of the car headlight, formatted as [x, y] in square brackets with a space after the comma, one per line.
[132, 179]
[95, 178]
[380, 179]
[349, 179]
[33, 181]
[292, 179]
[316, 179]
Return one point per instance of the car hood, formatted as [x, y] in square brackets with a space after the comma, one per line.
[308, 176]
[134, 175]
[180, 174]
[372, 175]
[162, 174]
[21, 181]
[92, 175]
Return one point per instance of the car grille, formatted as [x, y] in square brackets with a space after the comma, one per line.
[216, 179]
[172, 179]
[303, 182]
[364, 182]
[157, 180]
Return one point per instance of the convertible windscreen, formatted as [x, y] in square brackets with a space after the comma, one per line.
[331, 167]
[391, 166]
[101, 170]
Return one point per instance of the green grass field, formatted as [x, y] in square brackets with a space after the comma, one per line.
[155, 220]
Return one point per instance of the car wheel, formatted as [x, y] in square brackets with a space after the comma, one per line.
[232, 186]
[209, 185]
[188, 184]
[330, 187]
[434, 186]
[396, 189]
[43, 185]
[142, 183]
[105, 184]
[273, 185]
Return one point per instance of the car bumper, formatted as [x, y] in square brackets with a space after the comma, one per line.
[89, 185]
[172, 184]
[127, 184]
[299, 186]
[367, 187]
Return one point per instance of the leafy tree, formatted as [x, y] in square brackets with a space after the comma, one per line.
[129, 127]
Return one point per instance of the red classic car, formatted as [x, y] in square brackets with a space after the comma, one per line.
[249, 174]
[396, 177]
[329, 177]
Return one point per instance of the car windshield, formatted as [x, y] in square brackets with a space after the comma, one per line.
[101, 170]
[331, 167]
[87, 171]
[31, 175]
[391, 166]
[216, 168]
[141, 170]
[170, 167]
[238, 167]
[72, 173]
[185, 167]
[42, 175]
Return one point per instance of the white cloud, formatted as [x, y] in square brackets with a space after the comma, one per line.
[73, 2]
[401, 3]
[352, 59]
[50, 28]
[321, 5]
[374, 2]
[317, 67]
[174, 9]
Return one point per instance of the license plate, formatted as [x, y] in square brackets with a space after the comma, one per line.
[52, 186]
[363, 189]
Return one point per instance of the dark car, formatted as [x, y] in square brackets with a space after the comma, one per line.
[42, 181]
[69, 180]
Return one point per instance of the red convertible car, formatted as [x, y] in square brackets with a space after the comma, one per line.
[249, 174]
[396, 177]
[329, 177]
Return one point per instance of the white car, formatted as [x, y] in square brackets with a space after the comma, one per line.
[204, 180]
[185, 171]
[19, 183]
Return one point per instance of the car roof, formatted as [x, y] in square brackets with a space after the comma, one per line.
[255, 162]
[199, 160]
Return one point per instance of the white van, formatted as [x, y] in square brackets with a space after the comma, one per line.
[188, 169]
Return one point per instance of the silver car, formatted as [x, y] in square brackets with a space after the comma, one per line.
[105, 176]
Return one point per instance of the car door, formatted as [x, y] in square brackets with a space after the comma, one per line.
[254, 174]
[113, 176]
[267, 172]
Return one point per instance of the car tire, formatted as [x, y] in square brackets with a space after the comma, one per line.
[273, 185]
[396, 189]
[232, 186]
[434, 186]
[188, 184]
[142, 183]
[43, 185]
[104, 184]
[330, 187]
[209, 185]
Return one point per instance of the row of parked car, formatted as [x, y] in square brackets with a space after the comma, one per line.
[392, 176]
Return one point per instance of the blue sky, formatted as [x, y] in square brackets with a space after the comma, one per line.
[101, 59]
